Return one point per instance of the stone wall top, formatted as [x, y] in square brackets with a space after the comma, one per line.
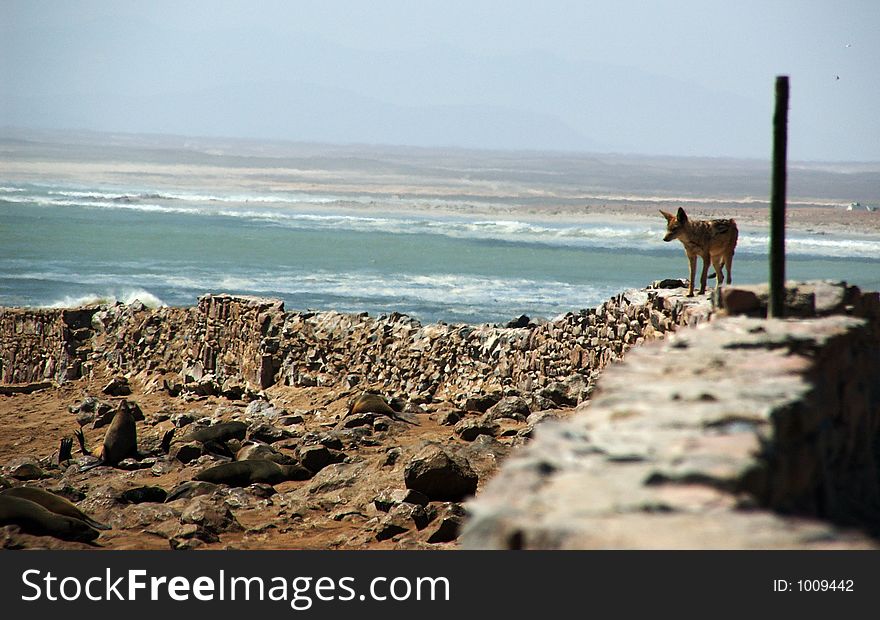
[707, 439]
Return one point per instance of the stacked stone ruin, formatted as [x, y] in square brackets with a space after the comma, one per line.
[743, 433]
[36, 345]
[229, 340]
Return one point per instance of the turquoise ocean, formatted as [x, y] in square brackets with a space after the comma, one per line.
[66, 244]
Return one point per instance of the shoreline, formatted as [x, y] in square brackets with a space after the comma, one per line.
[542, 205]
[836, 220]
[600, 189]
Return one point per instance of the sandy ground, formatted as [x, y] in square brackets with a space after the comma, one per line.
[811, 218]
[33, 425]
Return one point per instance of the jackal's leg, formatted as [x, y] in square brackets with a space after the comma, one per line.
[704, 274]
[728, 261]
[692, 268]
[717, 264]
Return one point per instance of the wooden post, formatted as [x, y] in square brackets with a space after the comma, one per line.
[777, 201]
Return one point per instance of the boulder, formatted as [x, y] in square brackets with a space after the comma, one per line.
[471, 428]
[210, 516]
[118, 386]
[446, 524]
[316, 458]
[143, 494]
[389, 498]
[401, 518]
[514, 407]
[482, 402]
[440, 474]
[519, 322]
[186, 452]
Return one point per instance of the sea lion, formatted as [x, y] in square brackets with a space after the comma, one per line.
[221, 433]
[213, 438]
[120, 440]
[261, 451]
[34, 519]
[243, 473]
[190, 489]
[53, 503]
[369, 402]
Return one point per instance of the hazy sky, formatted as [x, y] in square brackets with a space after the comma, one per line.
[681, 78]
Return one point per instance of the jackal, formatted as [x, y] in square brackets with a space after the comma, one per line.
[709, 239]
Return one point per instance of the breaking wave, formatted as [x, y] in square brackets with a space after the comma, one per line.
[471, 297]
[291, 210]
[127, 297]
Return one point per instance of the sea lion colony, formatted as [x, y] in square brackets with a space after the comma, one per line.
[334, 425]
[42, 513]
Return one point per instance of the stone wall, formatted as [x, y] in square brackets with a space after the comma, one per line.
[222, 338]
[741, 433]
[37, 345]
[397, 353]
[227, 339]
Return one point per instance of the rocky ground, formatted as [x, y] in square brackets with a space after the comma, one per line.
[396, 478]
[372, 485]
[465, 395]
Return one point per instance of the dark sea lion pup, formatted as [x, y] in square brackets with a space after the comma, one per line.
[34, 519]
[243, 473]
[120, 440]
[53, 503]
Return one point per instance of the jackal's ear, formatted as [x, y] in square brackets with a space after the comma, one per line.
[668, 216]
[681, 215]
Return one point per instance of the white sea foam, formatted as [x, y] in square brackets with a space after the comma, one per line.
[267, 198]
[128, 297]
[277, 198]
[814, 245]
[434, 289]
[286, 209]
[742, 200]
[109, 196]
[471, 297]
[414, 288]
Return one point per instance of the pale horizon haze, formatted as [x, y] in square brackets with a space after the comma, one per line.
[687, 78]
